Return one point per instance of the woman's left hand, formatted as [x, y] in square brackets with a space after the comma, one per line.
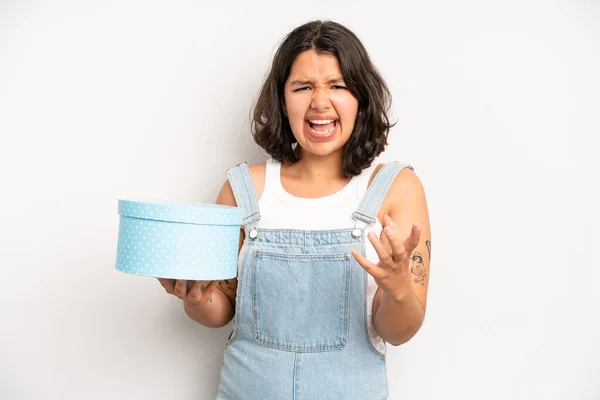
[392, 273]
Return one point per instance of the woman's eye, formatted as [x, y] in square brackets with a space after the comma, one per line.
[339, 87]
[302, 88]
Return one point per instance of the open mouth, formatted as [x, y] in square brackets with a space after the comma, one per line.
[322, 129]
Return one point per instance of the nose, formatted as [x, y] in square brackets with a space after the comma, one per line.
[320, 99]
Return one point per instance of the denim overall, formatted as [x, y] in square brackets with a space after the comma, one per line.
[300, 323]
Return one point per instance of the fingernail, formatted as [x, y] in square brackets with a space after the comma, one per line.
[389, 229]
[203, 286]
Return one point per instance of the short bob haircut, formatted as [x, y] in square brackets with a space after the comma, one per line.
[271, 128]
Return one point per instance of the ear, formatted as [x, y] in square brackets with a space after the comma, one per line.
[283, 107]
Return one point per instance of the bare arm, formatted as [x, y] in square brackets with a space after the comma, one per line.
[398, 316]
[402, 272]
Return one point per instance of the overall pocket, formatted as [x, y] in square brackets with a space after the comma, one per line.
[301, 301]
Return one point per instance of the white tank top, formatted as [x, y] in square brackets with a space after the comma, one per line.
[281, 210]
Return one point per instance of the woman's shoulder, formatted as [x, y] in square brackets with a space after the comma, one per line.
[257, 172]
[403, 175]
[406, 187]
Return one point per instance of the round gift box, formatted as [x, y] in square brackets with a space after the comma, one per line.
[193, 241]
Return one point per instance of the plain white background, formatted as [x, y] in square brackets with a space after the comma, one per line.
[497, 108]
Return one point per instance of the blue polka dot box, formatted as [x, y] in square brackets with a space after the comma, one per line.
[193, 241]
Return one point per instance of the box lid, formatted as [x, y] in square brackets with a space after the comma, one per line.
[190, 213]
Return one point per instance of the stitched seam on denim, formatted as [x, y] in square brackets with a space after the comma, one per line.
[363, 206]
[294, 246]
[255, 324]
[385, 380]
[235, 175]
[251, 191]
[329, 257]
[277, 243]
[370, 204]
[373, 206]
[294, 383]
[238, 296]
[269, 238]
[301, 231]
[298, 365]
[231, 175]
[367, 219]
[249, 218]
[297, 237]
[299, 349]
[366, 316]
[338, 342]
[346, 312]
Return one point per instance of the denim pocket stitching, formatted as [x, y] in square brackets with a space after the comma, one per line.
[339, 338]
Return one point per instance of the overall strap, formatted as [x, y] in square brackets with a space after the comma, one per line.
[373, 198]
[245, 194]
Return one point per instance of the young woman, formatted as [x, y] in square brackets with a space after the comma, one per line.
[335, 250]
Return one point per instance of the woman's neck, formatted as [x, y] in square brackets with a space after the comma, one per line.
[318, 168]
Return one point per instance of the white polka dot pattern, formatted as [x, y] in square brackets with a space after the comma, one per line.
[195, 213]
[178, 240]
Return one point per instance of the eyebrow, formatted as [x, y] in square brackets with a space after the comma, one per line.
[306, 82]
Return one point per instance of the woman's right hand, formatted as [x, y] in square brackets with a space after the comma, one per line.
[193, 293]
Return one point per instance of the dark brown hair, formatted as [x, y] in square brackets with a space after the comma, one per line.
[271, 128]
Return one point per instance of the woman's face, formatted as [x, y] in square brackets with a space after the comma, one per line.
[318, 104]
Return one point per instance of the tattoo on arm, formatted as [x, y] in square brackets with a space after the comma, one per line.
[428, 244]
[418, 269]
[229, 287]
